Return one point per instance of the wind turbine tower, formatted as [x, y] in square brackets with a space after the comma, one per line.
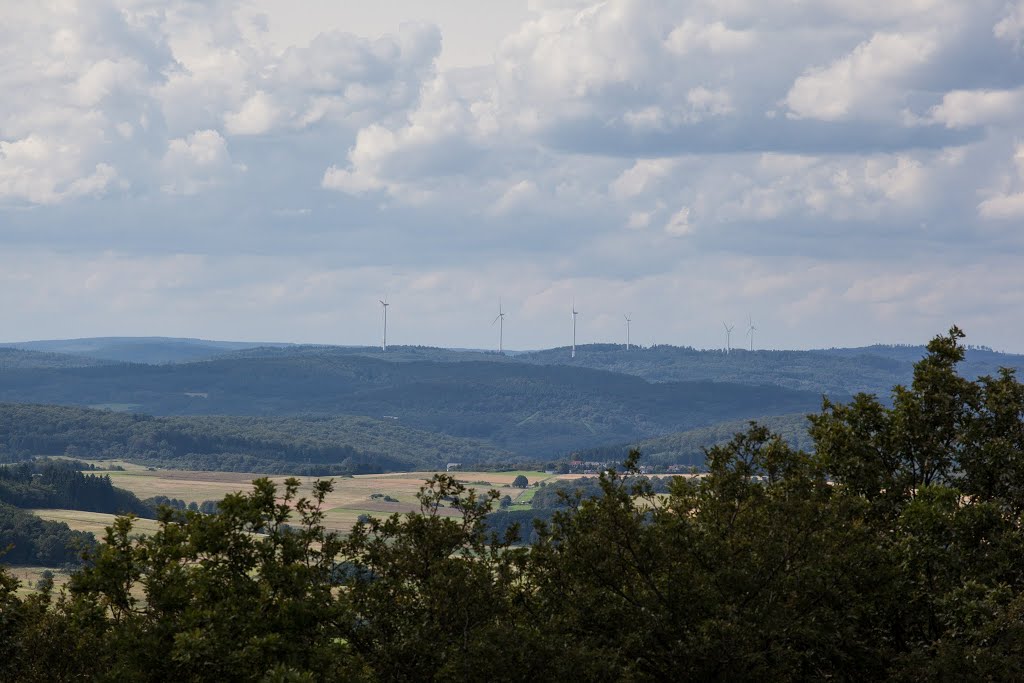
[501, 328]
[574, 314]
[628, 321]
[384, 307]
[750, 332]
[728, 337]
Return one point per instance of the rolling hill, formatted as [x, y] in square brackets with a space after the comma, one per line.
[137, 349]
[530, 409]
[20, 359]
[836, 372]
[251, 444]
[687, 447]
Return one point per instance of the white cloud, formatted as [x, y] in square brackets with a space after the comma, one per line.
[520, 195]
[257, 115]
[1011, 26]
[967, 108]
[679, 224]
[791, 141]
[867, 82]
[197, 162]
[1008, 201]
[640, 177]
[715, 37]
[1003, 207]
[42, 171]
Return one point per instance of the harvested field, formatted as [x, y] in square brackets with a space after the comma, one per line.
[94, 522]
[29, 576]
[352, 496]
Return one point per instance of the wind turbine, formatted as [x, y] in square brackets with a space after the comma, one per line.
[750, 332]
[501, 328]
[628, 321]
[728, 336]
[384, 307]
[574, 314]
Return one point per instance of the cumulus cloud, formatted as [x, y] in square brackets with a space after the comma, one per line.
[126, 90]
[679, 224]
[41, 171]
[864, 82]
[257, 115]
[196, 162]
[1011, 27]
[612, 149]
[640, 176]
[966, 108]
[1007, 203]
[715, 37]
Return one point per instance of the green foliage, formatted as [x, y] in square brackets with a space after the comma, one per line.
[59, 484]
[520, 482]
[893, 551]
[232, 596]
[436, 596]
[690, 447]
[341, 444]
[26, 539]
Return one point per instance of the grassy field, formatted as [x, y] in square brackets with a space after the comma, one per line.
[29, 576]
[352, 496]
[95, 522]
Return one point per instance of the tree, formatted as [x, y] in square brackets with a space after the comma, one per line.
[437, 597]
[205, 576]
[520, 482]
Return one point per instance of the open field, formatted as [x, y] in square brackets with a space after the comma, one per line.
[30, 575]
[352, 496]
[94, 522]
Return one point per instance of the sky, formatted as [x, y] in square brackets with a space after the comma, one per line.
[840, 173]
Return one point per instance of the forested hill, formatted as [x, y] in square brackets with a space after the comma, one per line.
[340, 444]
[394, 354]
[872, 369]
[19, 358]
[837, 371]
[688, 447]
[153, 350]
[536, 410]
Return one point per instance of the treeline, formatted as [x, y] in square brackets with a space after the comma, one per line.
[564, 494]
[60, 485]
[26, 539]
[207, 507]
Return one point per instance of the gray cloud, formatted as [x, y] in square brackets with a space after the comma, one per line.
[851, 165]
